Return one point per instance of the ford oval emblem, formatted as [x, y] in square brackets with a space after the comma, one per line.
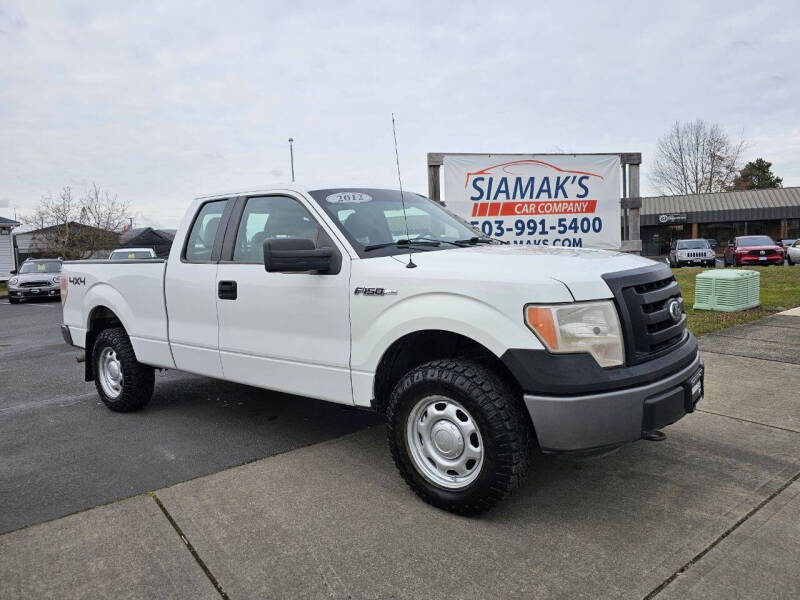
[674, 309]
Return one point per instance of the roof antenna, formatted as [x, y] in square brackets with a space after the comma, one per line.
[410, 264]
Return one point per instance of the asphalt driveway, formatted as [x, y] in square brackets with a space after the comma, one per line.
[63, 451]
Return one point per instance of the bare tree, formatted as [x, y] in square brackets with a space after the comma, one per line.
[77, 228]
[696, 158]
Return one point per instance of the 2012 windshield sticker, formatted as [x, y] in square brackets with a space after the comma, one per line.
[348, 198]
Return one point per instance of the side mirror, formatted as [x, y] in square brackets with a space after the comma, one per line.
[13, 271]
[295, 255]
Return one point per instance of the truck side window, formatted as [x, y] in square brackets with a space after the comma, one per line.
[271, 217]
[200, 243]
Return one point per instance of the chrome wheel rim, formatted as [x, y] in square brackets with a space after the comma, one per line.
[444, 442]
[110, 373]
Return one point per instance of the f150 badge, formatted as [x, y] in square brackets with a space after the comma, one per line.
[374, 291]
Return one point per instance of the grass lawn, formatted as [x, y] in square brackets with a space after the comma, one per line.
[3, 288]
[780, 290]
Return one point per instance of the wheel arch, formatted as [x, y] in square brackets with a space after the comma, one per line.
[419, 347]
[100, 317]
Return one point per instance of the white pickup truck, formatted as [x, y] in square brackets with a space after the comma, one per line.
[476, 352]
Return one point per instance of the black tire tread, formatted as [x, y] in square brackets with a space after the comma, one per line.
[138, 379]
[511, 429]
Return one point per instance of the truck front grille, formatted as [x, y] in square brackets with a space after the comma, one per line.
[642, 297]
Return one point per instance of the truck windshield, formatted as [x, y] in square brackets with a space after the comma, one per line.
[371, 217]
[693, 245]
[50, 266]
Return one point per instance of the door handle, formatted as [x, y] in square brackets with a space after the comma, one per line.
[226, 290]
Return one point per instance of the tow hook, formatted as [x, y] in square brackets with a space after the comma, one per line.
[81, 357]
[655, 436]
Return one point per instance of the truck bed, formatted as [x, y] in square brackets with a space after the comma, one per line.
[134, 289]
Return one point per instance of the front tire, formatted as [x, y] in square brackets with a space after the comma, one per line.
[123, 383]
[13, 300]
[458, 435]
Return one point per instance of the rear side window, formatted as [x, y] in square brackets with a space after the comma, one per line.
[200, 243]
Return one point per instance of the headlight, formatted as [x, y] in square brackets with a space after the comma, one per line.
[57, 279]
[591, 327]
[13, 281]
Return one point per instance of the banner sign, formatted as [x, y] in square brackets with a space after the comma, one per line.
[539, 199]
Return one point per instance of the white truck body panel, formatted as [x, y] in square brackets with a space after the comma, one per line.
[134, 291]
[475, 292]
[287, 331]
[308, 334]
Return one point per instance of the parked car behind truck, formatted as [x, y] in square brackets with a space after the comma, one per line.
[474, 352]
[695, 252]
[793, 253]
[132, 254]
[36, 278]
[753, 250]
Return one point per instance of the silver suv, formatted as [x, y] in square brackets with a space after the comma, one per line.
[36, 278]
[691, 252]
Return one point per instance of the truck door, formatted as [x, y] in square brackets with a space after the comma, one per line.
[190, 288]
[284, 331]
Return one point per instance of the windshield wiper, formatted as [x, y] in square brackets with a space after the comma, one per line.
[402, 244]
[476, 240]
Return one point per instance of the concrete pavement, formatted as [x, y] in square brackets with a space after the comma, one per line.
[713, 511]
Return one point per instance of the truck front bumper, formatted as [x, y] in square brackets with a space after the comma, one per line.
[594, 423]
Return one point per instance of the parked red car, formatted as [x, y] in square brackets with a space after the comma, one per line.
[753, 250]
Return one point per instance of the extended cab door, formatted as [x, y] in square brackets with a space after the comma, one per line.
[190, 287]
[283, 331]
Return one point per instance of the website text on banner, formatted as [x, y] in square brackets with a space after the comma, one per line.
[538, 199]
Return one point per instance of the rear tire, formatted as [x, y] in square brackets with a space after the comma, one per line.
[458, 435]
[123, 383]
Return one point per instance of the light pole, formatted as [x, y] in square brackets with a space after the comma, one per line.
[291, 156]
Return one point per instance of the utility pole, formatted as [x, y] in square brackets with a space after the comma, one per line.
[291, 156]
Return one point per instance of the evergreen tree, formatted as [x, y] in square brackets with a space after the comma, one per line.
[757, 175]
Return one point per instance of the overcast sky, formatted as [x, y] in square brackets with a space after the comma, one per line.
[160, 102]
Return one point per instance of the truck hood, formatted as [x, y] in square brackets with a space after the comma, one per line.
[580, 269]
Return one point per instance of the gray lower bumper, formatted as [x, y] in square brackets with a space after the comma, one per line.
[575, 423]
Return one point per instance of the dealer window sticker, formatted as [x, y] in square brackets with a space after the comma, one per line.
[41, 267]
[348, 198]
[131, 255]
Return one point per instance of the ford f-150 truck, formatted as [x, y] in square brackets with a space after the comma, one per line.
[475, 352]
